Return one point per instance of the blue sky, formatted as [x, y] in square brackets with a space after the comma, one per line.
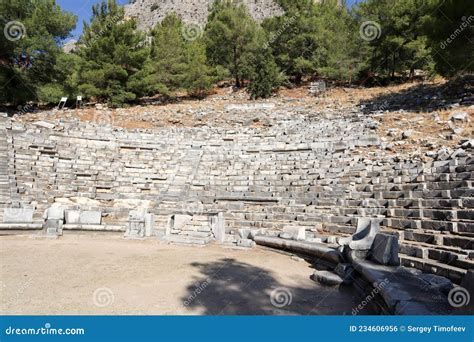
[83, 10]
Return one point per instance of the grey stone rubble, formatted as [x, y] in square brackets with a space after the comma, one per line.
[317, 88]
[393, 289]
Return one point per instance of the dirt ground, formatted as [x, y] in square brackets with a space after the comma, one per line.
[107, 275]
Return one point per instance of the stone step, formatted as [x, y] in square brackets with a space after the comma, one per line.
[187, 240]
[430, 266]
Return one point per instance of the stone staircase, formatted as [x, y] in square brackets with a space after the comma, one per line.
[5, 195]
[175, 193]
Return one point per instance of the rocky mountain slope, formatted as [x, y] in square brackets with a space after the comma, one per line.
[150, 12]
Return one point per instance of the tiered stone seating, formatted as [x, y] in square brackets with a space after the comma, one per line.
[5, 196]
[321, 175]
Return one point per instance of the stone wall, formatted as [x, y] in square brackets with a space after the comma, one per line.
[322, 175]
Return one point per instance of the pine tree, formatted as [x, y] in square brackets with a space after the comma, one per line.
[449, 26]
[198, 76]
[29, 50]
[316, 39]
[168, 55]
[399, 44]
[177, 62]
[111, 52]
[231, 38]
[265, 76]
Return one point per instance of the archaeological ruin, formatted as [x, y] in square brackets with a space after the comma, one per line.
[322, 186]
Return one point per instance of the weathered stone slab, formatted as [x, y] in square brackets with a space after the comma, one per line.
[18, 215]
[327, 278]
[402, 291]
[385, 249]
[295, 232]
[180, 221]
[54, 213]
[44, 124]
[90, 217]
[247, 243]
[72, 216]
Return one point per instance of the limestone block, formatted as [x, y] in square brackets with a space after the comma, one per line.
[72, 216]
[180, 221]
[90, 217]
[18, 215]
[385, 250]
[44, 124]
[295, 232]
[247, 243]
[54, 213]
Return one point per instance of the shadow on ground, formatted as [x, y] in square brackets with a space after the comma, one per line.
[425, 97]
[230, 287]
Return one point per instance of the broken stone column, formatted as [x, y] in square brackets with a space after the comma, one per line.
[218, 228]
[365, 234]
[54, 219]
[149, 224]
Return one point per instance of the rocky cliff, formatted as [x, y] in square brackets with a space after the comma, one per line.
[150, 12]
